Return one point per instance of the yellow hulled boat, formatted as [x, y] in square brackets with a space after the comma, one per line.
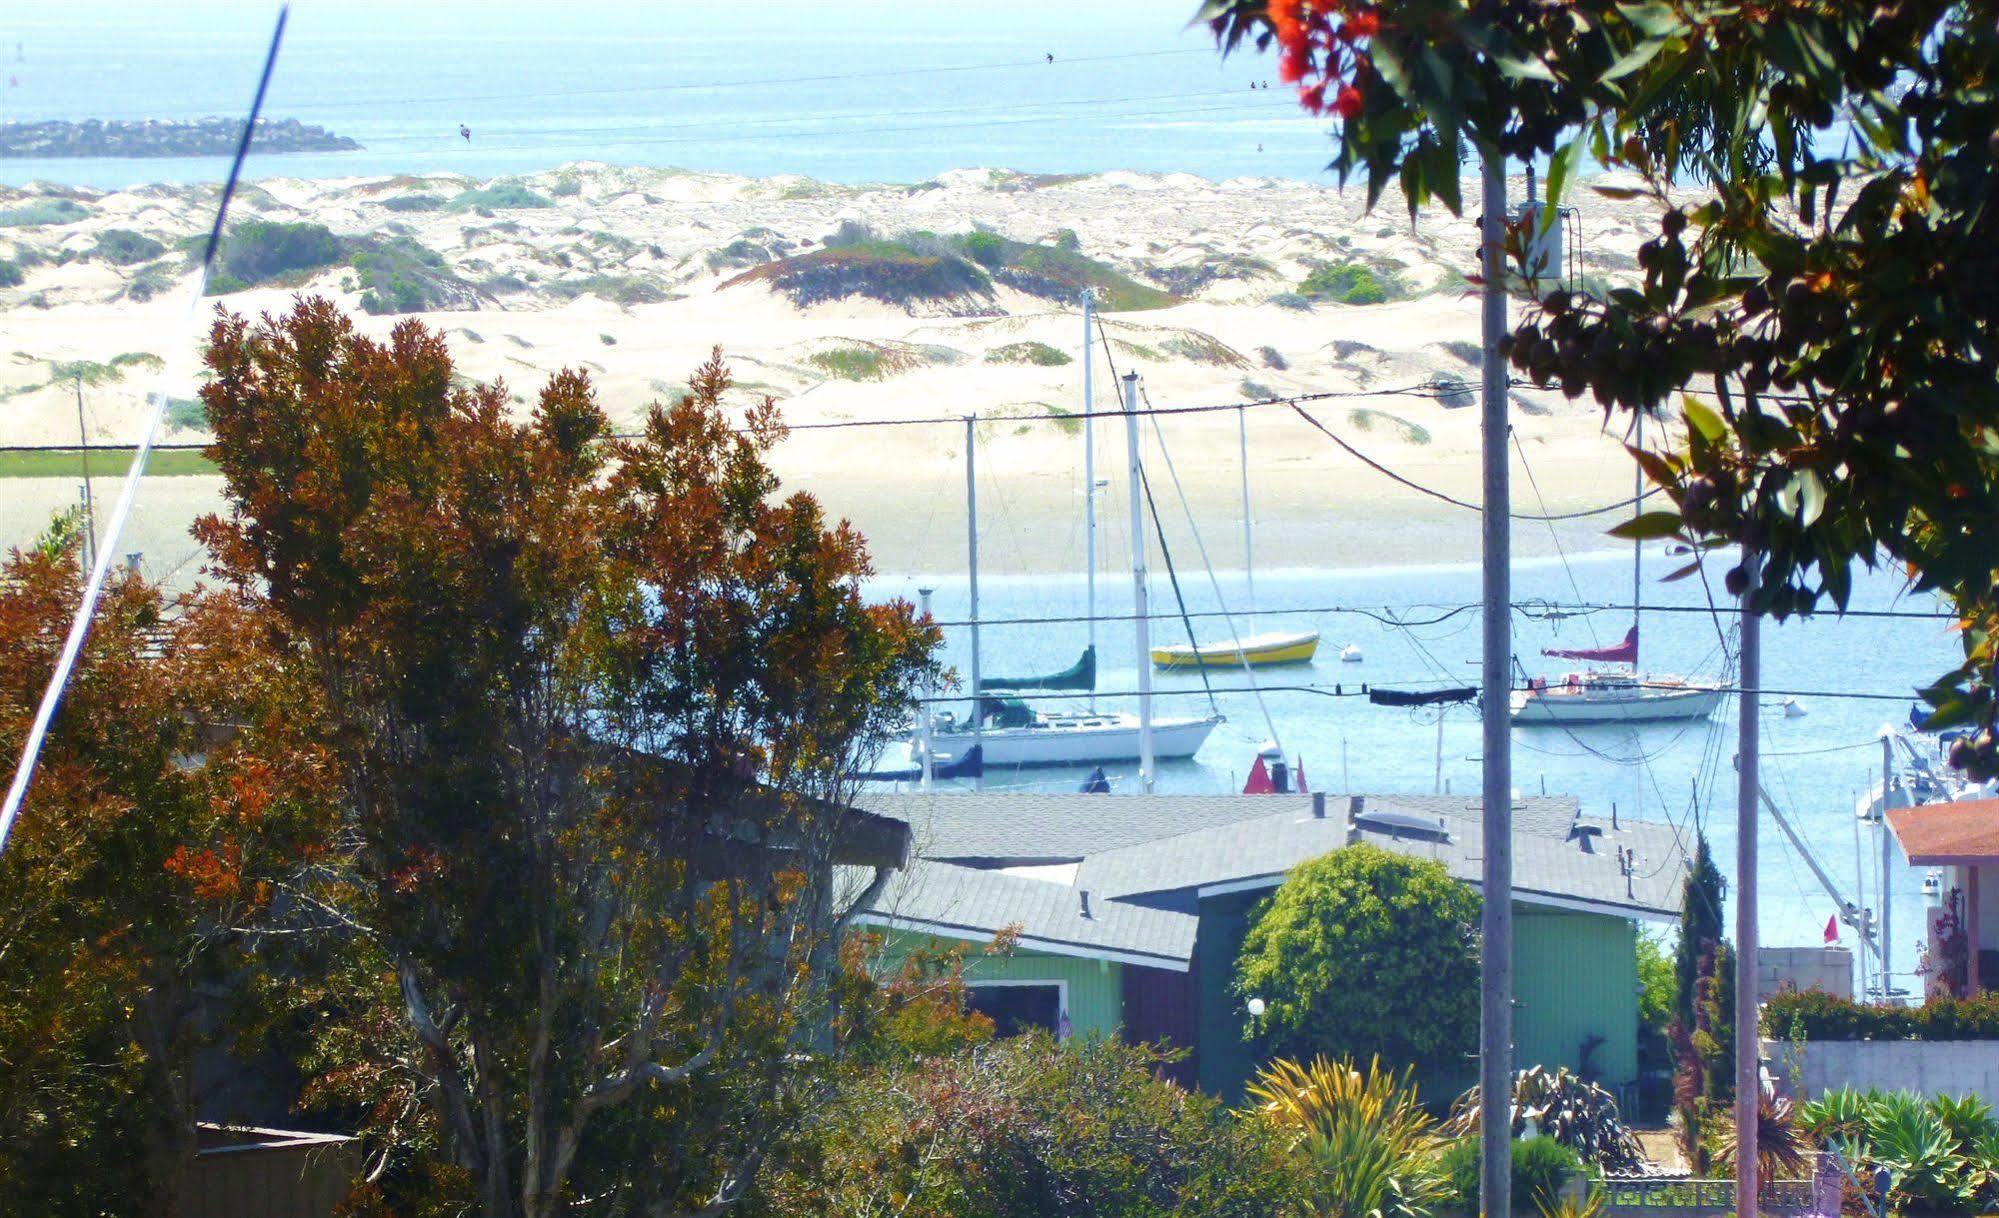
[1271, 647]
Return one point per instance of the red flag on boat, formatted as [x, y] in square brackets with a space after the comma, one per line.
[1624, 653]
[1832, 929]
[1259, 780]
[1302, 788]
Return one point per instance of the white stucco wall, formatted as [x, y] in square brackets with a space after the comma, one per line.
[1954, 1067]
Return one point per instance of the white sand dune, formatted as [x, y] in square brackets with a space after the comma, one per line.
[551, 278]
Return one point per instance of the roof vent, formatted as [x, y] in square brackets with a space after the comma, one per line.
[1085, 894]
[1584, 835]
[1398, 823]
[1318, 805]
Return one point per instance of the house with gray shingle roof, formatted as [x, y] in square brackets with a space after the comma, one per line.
[1125, 913]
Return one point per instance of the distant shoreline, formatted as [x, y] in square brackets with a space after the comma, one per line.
[66, 139]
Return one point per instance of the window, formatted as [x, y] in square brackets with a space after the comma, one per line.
[1016, 1008]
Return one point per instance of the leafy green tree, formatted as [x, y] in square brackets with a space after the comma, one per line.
[1366, 953]
[594, 706]
[1823, 269]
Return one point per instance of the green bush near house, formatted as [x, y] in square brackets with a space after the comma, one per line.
[1817, 1015]
[1367, 1147]
[1941, 1152]
[1366, 953]
[1541, 1166]
[1026, 1128]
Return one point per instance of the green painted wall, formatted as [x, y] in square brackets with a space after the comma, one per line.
[1575, 975]
[1096, 987]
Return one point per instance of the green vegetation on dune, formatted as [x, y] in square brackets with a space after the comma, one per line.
[1350, 283]
[618, 289]
[1036, 353]
[43, 211]
[417, 202]
[262, 251]
[928, 267]
[498, 197]
[10, 274]
[1409, 433]
[401, 276]
[68, 463]
[123, 247]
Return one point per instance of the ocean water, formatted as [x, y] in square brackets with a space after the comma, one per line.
[856, 92]
[845, 92]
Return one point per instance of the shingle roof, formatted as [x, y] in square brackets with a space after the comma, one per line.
[1006, 826]
[1144, 857]
[966, 902]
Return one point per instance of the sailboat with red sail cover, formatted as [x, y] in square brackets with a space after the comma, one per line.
[1617, 694]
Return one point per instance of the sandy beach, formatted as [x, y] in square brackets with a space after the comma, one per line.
[543, 286]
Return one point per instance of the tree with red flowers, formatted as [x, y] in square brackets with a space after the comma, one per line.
[595, 705]
[174, 798]
[1825, 274]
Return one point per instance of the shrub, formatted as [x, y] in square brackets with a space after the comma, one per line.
[123, 247]
[1273, 358]
[1817, 1015]
[618, 289]
[10, 274]
[401, 276]
[1942, 1154]
[1039, 354]
[1067, 240]
[1347, 283]
[609, 340]
[1369, 1148]
[186, 414]
[1363, 953]
[43, 211]
[418, 202]
[258, 251]
[500, 195]
[986, 249]
[1022, 1128]
[1292, 301]
[1565, 1108]
[889, 271]
[1541, 1166]
[566, 188]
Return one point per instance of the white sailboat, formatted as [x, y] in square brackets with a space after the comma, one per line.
[1014, 734]
[1618, 694]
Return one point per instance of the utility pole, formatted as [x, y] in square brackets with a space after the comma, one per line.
[1140, 608]
[1090, 475]
[1748, 1052]
[89, 510]
[1495, 1057]
[1887, 856]
[972, 552]
[923, 733]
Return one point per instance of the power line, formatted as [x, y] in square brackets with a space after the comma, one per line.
[1534, 609]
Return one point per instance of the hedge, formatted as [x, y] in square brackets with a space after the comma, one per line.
[1817, 1015]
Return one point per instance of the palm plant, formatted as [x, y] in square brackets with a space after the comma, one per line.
[1373, 1149]
[1783, 1148]
[1561, 1105]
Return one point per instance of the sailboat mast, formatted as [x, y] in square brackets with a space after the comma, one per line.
[1090, 479]
[972, 553]
[1139, 607]
[1637, 555]
[1248, 529]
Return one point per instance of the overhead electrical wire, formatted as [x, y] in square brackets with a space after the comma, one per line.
[93, 589]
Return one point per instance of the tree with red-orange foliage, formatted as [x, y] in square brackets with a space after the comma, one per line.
[173, 796]
[595, 705]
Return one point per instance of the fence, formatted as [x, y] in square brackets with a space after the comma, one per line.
[1652, 1196]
